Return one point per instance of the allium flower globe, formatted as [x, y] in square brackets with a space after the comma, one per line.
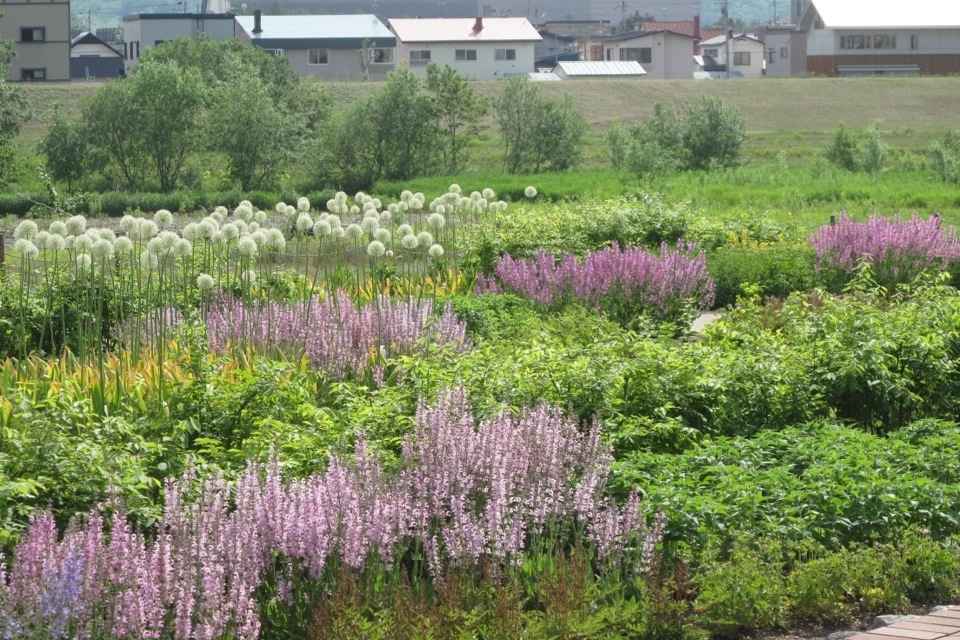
[26, 248]
[260, 217]
[56, 243]
[26, 230]
[205, 282]
[84, 261]
[383, 235]
[230, 232]
[436, 251]
[280, 207]
[322, 229]
[58, 228]
[82, 243]
[369, 225]
[454, 188]
[249, 277]
[436, 221]
[354, 231]
[489, 194]
[247, 246]
[163, 218]
[103, 250]
[530, 192]
[404, 230]
[123, 245]
[275, 240]
[425, 238]
[303, 204]
[42, 239]
[107, 234]
[376, 249]
[409, 241]
[184, 247]
[190, 231]
[76, 225]
[304, 222]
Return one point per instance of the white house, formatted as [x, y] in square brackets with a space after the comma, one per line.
[746, 53]
[857, 37]
[329, 47]
[478, 48]
[145, 30]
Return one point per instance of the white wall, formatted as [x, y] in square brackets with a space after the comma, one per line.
[485, 67]
[826, 41]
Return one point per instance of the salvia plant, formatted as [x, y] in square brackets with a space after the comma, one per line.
[462, 495]
[623, 282]
[898, 250]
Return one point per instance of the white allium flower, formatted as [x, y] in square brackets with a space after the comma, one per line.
[206, 228]
[383, 235]
[127, 224]
[280, 207]
[425, 238]
[247, 246]
[76, 225]
[205, 282]
[489, 193]
[275, 240]
[331, 204]
[303, 204]
[322, 229]
[82, 243]
[482, 204]
[244, 211]
[218, 216]
[103, 250]
[377, 203]
[107, 234]
[58, 228]
[218, 238]
[368, 206]
[475, 195]
[249, 277]
[26, 248]
[404, 230]
[369, 225]
[389, 253]
[148, 229]
[530, 192]
[393, 208]
[42, 239]
[68, 242]
[56, 242]
[464, 203]
[163, 218]
[246, 204]
[149, 260]
[436, 221]
[184, 247]
[354, 210]
[259, 236]
[190, 231]
[242, 226]
[168, 240]
[376, 249]
[416, 203]
[260, 216]
[253, 227]
[454, 188]
[83, 261]
[230, 232]
[26, 230]
[290, 211]
[359, 196]
[439, 209]
[435, 251]
[155, 246]
[403, 206]
[334, 222]
[409, 241]
[405, 196]
[123, 244]
[339, 233]
[354, 231]
[501, 205]
[304, 222]
[386, 216]
[222, 211]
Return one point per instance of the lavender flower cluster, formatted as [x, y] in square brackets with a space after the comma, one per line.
[334, 334]
[462, 492]
[896, 248]
[632, 277]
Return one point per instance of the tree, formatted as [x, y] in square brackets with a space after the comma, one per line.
[538, 132]
[14, 111]
[458, 109]
[714, 133]
[111, 120]
[65, 149]
[257, 137]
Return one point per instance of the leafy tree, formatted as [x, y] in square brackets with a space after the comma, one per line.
[111, 120]
[946, 157]
[842, 149]
[458, 109]
[349, 150]
[14, 111]
[66, 150]
[538, 132]
[714, 133]
[258, 138]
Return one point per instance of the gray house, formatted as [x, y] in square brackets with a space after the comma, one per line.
[40, 33]
[344, 47]
[145, 30]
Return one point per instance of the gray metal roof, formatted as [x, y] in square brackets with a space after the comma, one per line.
[305, 31]
[602, 68]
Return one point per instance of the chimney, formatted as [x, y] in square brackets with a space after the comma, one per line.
[478, 25]
[696, 27]
[256, 21]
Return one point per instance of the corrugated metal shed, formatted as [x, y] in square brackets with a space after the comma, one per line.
[870, 14]
[326, 31]
[464, 30]
[599, 68]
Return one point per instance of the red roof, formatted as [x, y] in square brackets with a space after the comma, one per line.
[685, 27]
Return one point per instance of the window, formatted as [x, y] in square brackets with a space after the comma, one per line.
[505, 54]
[466, 54]
[382, 56]
[33, 34]
[319, 56]
[818, 23]
[854, 42]
[713, 53]
[157, 43]
[771, 55]
[596, 52]
[784, 53]
[642, 54]
[884, 42]
[274, 52]
[741, 59]
[914, 41]
[28, 75]
[419, 58]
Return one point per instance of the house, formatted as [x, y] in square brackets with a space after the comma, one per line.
[599, 70]
[786, 50]
[745, 49]
[663, 53]
[145, 30]
[553, 48]
[858, 37]
[328, 47]
[477, 48]
[91, 57]
[40, 33]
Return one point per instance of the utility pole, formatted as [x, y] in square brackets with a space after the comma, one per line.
[729, 25]
[89, 21]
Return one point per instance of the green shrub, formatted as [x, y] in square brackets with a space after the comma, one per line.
[777, 270]
[842, 149]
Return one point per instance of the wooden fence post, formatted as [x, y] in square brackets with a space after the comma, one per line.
[833, 220]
